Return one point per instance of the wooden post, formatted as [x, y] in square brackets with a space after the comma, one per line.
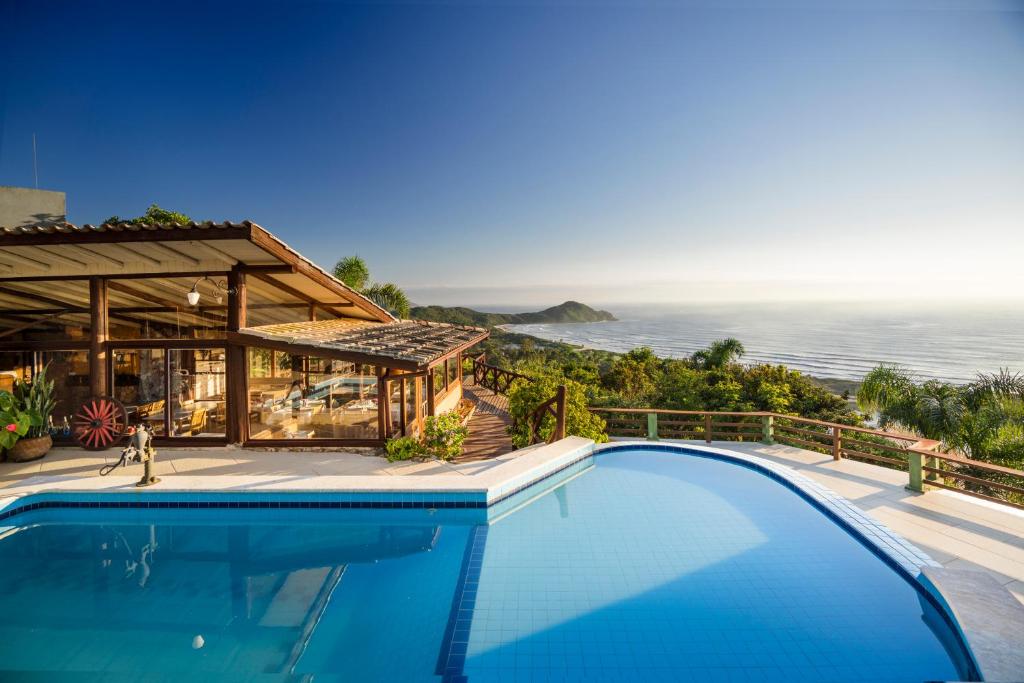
[768, 429]
[99, 333]
[403, 411]
[652, 426]
[560, 413]
[237, 363]
[383, 404]
[707, 427]
[430, 392]
[837, 443]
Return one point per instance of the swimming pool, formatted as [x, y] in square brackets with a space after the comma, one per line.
[637, 564]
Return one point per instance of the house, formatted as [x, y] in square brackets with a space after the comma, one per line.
[216, 333]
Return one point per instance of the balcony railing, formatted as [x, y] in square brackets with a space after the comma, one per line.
[928, 466]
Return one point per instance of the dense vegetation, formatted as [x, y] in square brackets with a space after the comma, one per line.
[568, 312]
[983, 419]
[712, 379]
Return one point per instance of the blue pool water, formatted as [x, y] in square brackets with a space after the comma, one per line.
[646, 565]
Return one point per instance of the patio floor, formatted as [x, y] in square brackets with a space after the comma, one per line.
[957, 531]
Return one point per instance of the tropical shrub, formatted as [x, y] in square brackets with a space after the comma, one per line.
[36, 398]
[443, 435]
[15, 421]
[404, 448]
[526, 395]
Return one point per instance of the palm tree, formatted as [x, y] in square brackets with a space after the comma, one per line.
[719, 354]
[353, 271]
[389, 296]
[889, 391]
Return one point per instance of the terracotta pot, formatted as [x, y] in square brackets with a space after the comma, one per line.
[30, 449]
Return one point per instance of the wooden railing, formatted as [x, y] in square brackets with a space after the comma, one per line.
[498, 380]
[555, 407]
[928, 467]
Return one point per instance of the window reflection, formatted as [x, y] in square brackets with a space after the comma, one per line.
[197, 392]
[140, 384]
[298, 397]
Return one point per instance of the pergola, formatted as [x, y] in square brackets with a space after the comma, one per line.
[125, 291]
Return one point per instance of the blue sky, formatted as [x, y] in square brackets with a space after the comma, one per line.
[530, 152]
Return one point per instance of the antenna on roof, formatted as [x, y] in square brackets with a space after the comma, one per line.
[35, 161]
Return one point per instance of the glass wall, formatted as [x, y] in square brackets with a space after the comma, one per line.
[298, 397]
[69, 371]
[412, 386]
[453, 370]
[198, 387]
[158, 308]
[439, 385]
[15, 366]
[140, 383]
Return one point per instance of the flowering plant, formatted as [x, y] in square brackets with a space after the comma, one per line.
[444, 434]
[15, 421]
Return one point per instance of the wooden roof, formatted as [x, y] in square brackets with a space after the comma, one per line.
[406, 344]
[68, 253]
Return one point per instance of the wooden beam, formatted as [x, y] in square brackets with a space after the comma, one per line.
[116, 276]
[291, 291]
[32, 296]
[31, 323]
[245, 339]
[278, 250]
[120, 236]
[99, 330]
[154, 299]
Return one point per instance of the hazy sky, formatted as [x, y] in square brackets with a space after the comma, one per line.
[531, 152]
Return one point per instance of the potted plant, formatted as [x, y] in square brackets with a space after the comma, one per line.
[34, 403]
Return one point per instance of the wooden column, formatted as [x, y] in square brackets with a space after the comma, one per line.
[430, 392]
[99, 333]
[403, 410]
[237, 363]
[383, 404]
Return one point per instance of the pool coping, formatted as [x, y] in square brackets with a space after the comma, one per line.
[487, 489]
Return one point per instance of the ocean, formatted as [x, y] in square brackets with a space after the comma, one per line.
[842, 341]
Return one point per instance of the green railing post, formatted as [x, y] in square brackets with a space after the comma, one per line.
[916, 460]
[768, 429]
[652, 426]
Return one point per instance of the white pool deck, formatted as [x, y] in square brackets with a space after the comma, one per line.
[957, 531]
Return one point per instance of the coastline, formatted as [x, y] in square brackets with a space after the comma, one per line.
[846, 388]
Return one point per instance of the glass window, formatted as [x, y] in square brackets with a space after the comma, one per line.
[198, 388]
[395, 401]
[69, 371]
[296, 397]
[158, 308]
[45, 310]
[411, 388]
[270, 305]
[438, 372]
[140, 384]
[14, 366]
[453, 370]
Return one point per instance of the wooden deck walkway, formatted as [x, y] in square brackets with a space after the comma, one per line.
[488, 437]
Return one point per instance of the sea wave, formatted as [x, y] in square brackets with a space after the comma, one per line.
[951, 345]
